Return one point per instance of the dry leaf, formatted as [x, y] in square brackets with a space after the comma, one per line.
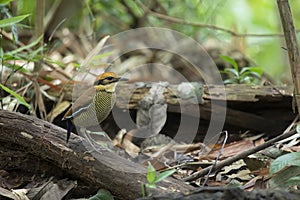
[232, 149]
[58, 109]
[124, 142]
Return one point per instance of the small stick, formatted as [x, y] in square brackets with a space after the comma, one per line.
[244, 154]
[218, 157]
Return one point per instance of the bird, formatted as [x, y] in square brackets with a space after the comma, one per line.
[95, 104]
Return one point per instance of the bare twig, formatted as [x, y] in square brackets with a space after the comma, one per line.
[218, 157]
[292, 46]
[239, 156]
[209, 26]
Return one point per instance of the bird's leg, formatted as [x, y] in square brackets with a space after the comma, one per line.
[91, 143]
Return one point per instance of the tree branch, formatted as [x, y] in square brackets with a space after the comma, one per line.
[292, 45]
[209, 26]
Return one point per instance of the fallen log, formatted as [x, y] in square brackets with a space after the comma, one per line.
[256, 108]
[38, 140]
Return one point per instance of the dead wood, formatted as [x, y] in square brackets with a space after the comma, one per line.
[239, 156]
[259, 108]
[39, 140]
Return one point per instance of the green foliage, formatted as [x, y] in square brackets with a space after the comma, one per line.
[17, 96]
[246, 75]
[23, 53]
[112, 17]
[12, 21]
[153, 177]
[285, 171]
[290, 159]
[5, 2]
[161, 176]
[26, 47]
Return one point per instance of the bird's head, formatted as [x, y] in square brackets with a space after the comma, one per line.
[107, 81]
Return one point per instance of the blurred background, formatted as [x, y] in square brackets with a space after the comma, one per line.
[254, 24]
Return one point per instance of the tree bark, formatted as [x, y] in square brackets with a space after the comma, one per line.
[292, 46]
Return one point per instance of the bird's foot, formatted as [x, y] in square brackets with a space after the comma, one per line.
[94, 145]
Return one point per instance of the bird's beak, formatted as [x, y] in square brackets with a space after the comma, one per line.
[123, 79]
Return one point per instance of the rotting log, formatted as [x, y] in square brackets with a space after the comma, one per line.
[39, 140]
[265, 109]
[258, 108]
[234, 93]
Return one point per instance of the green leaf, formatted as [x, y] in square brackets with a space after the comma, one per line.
[257, 75]
[151, 174]
[103, 55]
[290, 159]
[257, 70]
[16, 67]
[76, 65]
[245, 80]
[17, 96]
[245, 74]
[231, 61]
[152, 185]
[247, 77]
[293, 181]
[5, 2]
[233, 71]
[229, 81]
[36, 52]
[27, 46]
[11, 21]
[285, 177]
[57, 62]
[164, 175]
[244, 70]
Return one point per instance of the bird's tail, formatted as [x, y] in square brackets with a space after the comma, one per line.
[69, 129]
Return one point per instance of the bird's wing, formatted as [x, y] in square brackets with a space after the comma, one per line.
[81, 104]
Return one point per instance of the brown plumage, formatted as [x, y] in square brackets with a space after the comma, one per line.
[94, 105]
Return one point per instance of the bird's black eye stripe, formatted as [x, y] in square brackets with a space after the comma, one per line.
[98, 82]
[106, 80]
[109, 78]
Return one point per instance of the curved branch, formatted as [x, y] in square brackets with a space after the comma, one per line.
[209, 26]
